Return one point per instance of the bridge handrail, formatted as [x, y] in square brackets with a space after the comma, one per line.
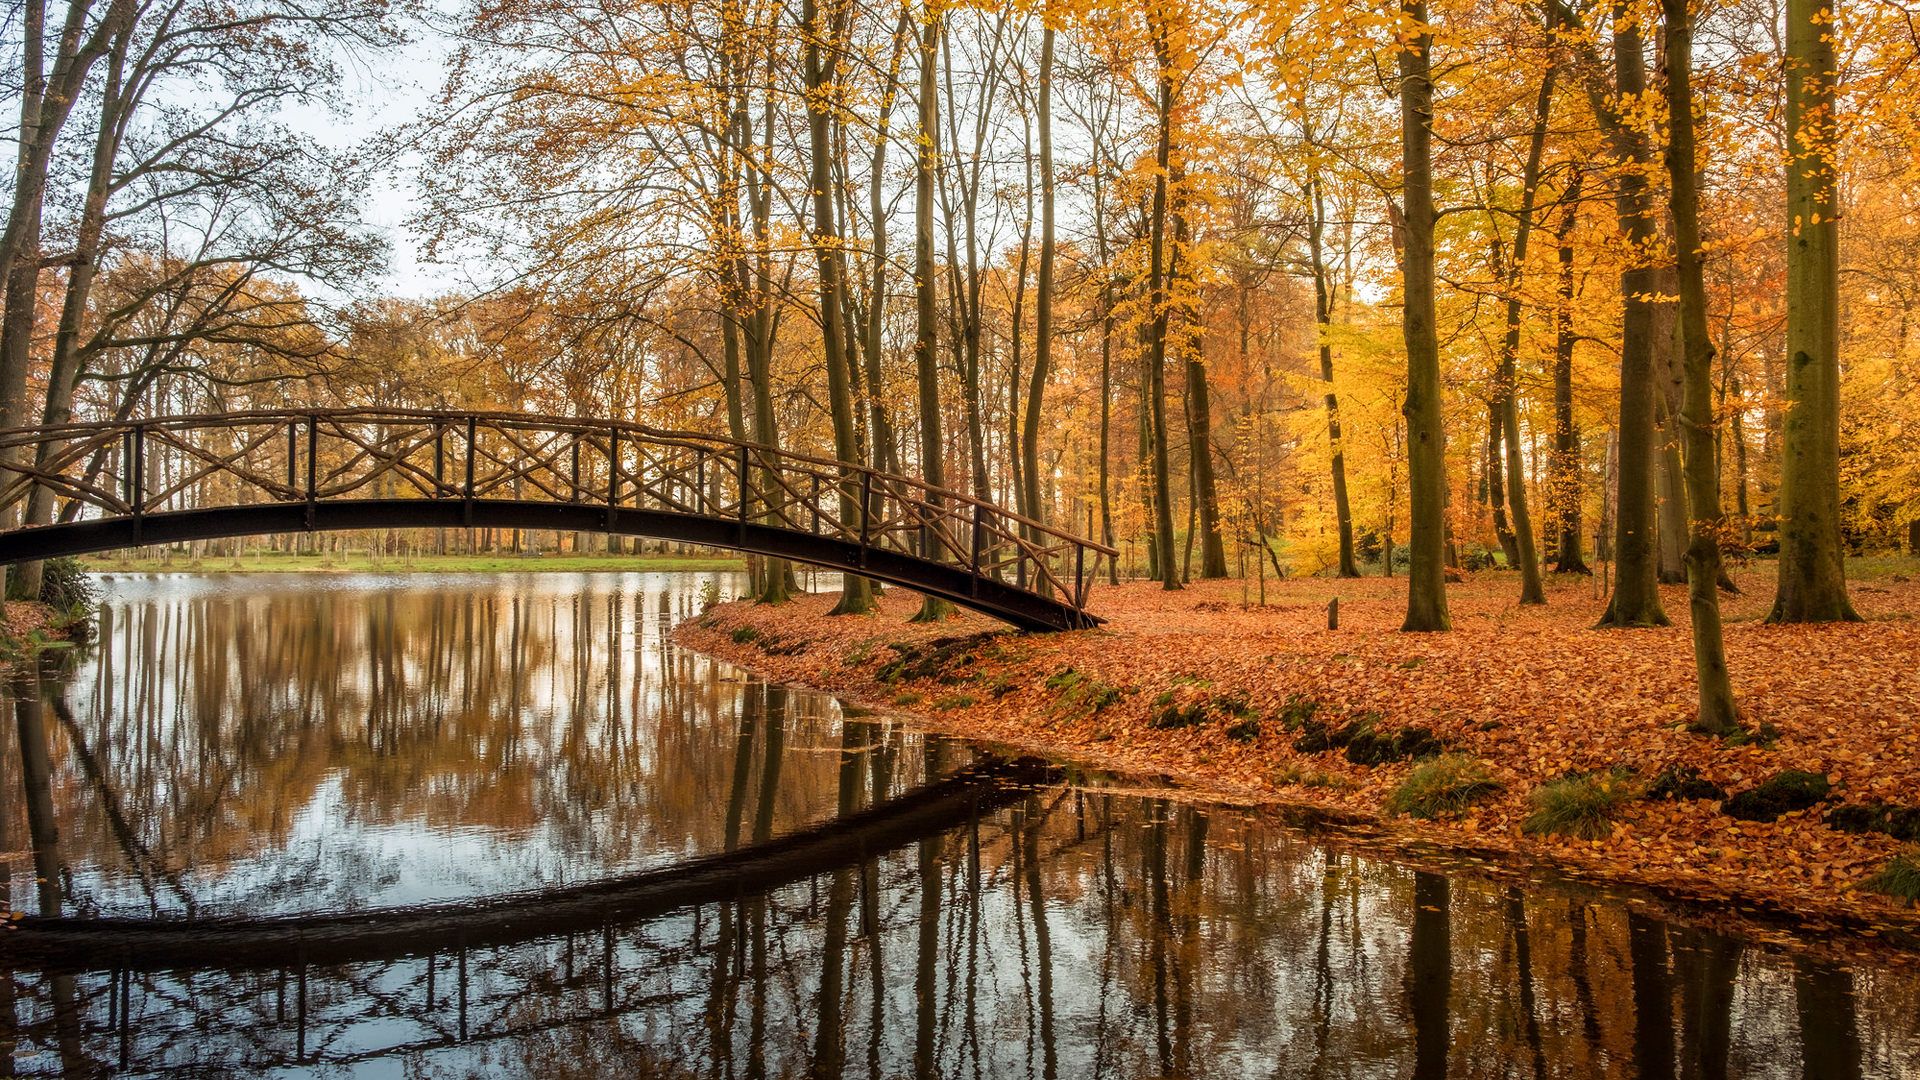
[11, 438]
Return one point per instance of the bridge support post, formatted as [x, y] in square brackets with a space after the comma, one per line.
[979, 535]
[313, 457]
[466, 489]
[742, 481]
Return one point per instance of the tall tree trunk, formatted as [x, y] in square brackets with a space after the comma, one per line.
[1158, 280]
[1043, 295]
[886, 453]
[1564, 464]
[856, 595]
[1205, 491]
[1507, 383]
[926, 342]
[1636, 593]
[1493, 484]
[1670, 482]
[1426, 439]
[1349, 566]
[1717, 713]
[1813, 583]
[47, 99]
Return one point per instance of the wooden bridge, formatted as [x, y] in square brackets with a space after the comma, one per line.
[94, 487]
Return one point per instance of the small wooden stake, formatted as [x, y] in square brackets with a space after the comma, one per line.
[1333, 614]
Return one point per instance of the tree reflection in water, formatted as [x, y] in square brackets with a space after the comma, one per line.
[269, 745]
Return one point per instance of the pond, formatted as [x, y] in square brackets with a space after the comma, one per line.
[477, 825]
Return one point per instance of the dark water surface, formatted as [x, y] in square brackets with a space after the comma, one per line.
[418, 747]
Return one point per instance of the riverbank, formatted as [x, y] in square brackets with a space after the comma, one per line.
[1267, 705]
[28, 628]
[121, 562]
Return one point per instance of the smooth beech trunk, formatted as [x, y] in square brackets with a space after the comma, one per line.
[1717, 713]
[926, 342]
[1813, 584]
[1426, 440]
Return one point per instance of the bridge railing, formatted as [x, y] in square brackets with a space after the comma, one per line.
[134, 468]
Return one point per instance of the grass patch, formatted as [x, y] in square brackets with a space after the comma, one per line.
[1082, 695]
[1900, 879]
[1442, 787]
[1779, 794]
[1583, 806]
[908, 698]
[743, 634]
[955, 701]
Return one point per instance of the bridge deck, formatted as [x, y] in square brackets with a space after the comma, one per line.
[94, 487]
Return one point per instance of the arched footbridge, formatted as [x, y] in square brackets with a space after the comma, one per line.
[81, 488]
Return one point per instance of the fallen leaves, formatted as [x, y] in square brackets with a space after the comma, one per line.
[1534, 693]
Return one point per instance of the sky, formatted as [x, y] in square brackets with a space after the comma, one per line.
[383, 91]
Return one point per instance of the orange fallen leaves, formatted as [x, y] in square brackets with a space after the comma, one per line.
[1532, 692]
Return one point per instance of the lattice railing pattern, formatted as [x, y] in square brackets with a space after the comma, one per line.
[138, 467]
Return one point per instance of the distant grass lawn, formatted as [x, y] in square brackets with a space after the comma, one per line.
[361, 561]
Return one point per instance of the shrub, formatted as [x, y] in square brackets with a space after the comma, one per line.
[1684, 782]
[1442, 786]
[1582, 806]
[1779, 794]
[744, 634]
[65, 587]
[1900, 878]
[1900, 822]
[709, 595]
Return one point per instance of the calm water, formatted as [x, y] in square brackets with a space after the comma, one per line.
[244, 747]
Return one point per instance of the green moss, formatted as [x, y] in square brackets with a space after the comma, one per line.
[1295, 712]
[1900, 879]
[1779, 794]
[1684, 782]
[1900, 822]
[947, 661]
[1370, 747]
[1442, 787]
[1582, 806]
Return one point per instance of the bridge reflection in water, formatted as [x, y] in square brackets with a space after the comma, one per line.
[262, 748]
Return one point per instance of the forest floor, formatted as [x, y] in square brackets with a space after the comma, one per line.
[1209, 691]
[361, 562]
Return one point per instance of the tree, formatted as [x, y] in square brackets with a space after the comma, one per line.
[926, 341]
[1426, 436]
[1812, 585]
[1716, 713]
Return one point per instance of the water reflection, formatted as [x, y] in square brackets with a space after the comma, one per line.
[248, 747]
